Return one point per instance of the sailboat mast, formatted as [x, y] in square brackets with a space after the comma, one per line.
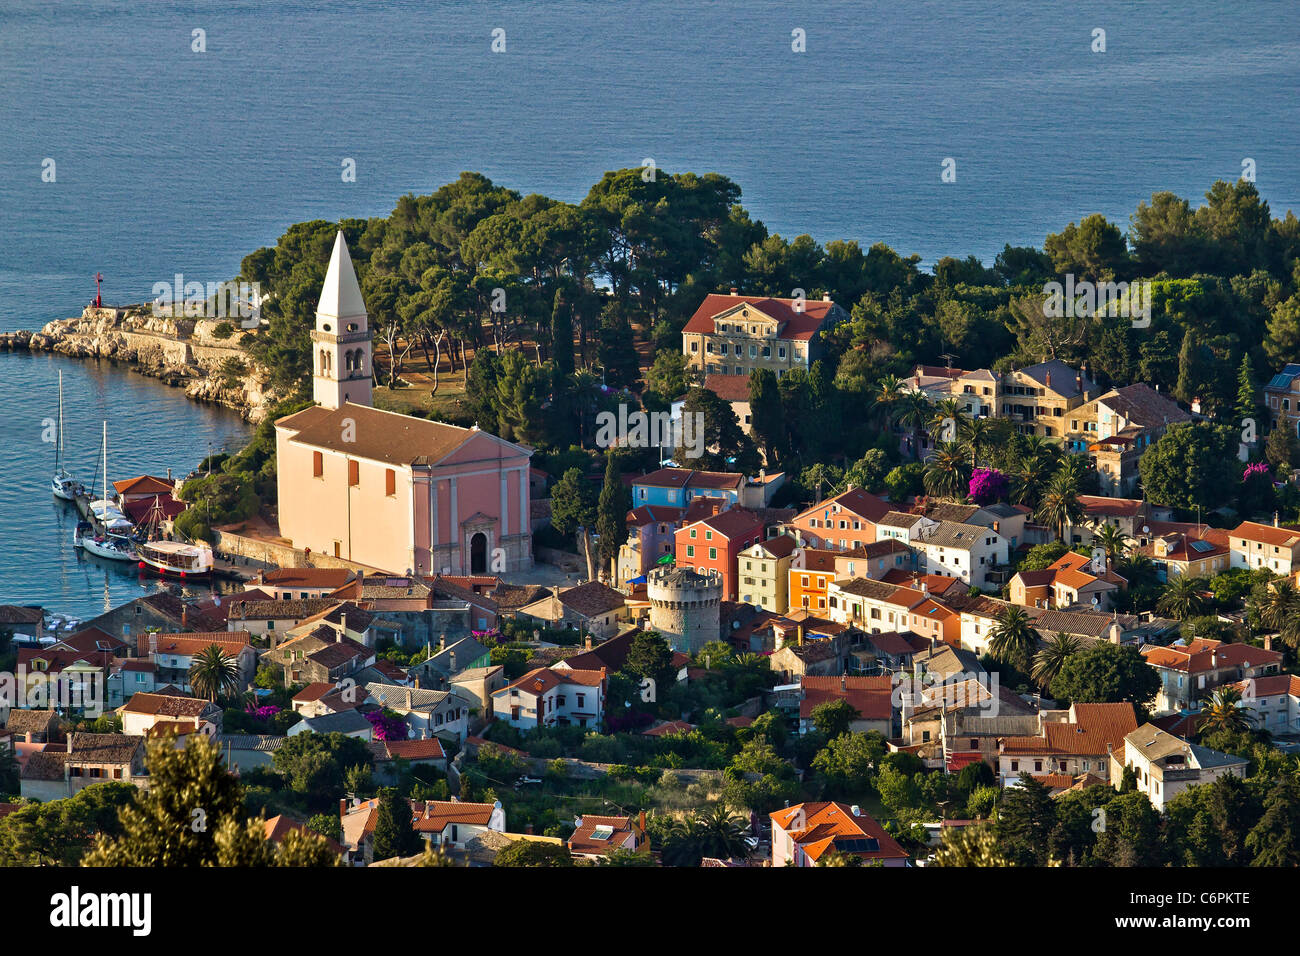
[58, 445]
[106, 465]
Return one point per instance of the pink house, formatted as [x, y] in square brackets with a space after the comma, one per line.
[390, 491]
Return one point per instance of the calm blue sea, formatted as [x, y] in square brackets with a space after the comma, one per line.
[168, 160]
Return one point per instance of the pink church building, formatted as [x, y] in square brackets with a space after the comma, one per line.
[385, 490]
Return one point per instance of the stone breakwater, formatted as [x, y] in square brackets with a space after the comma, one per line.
[184, 353]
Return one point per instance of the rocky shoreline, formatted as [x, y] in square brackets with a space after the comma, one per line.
[202, 356]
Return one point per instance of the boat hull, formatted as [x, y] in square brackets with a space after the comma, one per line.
[112, 551]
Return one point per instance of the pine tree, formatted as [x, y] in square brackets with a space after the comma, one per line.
[1192, 377]
[767, 414]
[394, 834]
[1247, 403]
[175, 824]
[562, 335]
[573, 510]
[611, 512]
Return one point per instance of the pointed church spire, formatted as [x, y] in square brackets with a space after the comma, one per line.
[340, 297]
[341, 346]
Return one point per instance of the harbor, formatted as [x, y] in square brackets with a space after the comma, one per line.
[159, 432]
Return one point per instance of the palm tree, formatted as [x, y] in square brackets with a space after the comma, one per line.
[1036, 446]
[914, 411]
[1031, 472]
[715, 832]
[1060, 507]
[974, 435]
[889, 390]
[950, 407]
[945, 476]
[1013, 640]
[1181, 598]
[1076, 467]
[1280, 611]
[721, 832]
[1054, 652]
[1113, 541]
[212, 673]
[1223, 711]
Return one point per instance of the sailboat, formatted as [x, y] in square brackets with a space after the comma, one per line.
[63, 484]
[117, 547]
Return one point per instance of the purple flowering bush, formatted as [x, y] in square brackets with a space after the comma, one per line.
[987, 485]
[387, 726]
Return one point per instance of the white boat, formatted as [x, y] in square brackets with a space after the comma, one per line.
[106, 512]
[62, 483]
[177, 557]
[115, 547]
[110, 515]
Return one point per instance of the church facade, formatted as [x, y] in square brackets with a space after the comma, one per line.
[391, 491]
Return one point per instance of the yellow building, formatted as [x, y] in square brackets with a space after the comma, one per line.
[735, 334]
[764, 572]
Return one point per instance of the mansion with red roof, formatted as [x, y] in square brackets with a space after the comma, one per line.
[735, 334]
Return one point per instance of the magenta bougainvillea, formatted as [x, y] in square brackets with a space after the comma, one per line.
[987, 485]
[387, 726]
[1254, 469]
[262, 713]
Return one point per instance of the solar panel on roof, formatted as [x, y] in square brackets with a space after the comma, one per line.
[1202, 546]
[867, 845]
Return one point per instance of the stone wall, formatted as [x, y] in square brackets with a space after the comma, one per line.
[181, 352]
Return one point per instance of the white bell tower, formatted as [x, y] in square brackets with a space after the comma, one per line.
[341, 349]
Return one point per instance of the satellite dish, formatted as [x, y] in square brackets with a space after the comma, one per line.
[1146, 529]
[216, 600]
[1096, 600]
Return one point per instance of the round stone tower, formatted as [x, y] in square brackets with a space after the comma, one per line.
[685, 606]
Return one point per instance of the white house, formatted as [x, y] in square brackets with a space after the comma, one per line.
[964, 551]
[1166, 765]
[546, 697]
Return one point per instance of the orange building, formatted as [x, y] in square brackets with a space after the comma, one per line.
[811, 574]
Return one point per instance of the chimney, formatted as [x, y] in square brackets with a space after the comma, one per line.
[343, 621]
[1049, 380]
[417, 681]
[185, 616]
[1078, 382]
[1268, 642]
[343, 807]
[1275, 519]
[826, 296]
[408, 698]
[587, 642]
[529, 829]
[338, 637]
[451, 664]
[442, 642]
[733, 290]
[641, 822]
[844, 682]
[798, 634]
[153, 643]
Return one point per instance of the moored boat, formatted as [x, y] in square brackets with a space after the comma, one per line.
[179, 558]
[115, 547]
[62, 483]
